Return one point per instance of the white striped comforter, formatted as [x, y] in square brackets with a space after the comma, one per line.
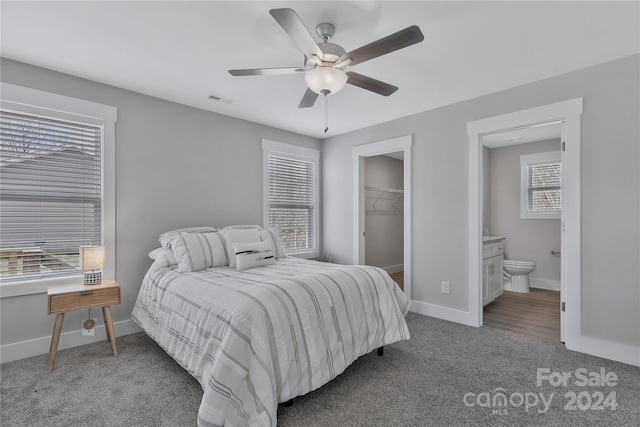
[258, 337]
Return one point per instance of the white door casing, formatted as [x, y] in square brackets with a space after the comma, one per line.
[360, 152]
[568, 113]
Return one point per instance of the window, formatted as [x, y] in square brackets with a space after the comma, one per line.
[52, 188]
[541, 186]
[291, 195]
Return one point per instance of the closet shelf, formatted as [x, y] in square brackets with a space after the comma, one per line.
[383, 191]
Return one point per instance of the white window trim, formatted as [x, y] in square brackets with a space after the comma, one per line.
[295, 152]
[527, 160]
[18, 98]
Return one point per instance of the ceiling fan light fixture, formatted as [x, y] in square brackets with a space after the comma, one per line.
[325, 80]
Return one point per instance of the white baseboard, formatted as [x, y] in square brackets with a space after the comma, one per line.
[440, 312]
[552, 285]
[394, 268]
[624, 353]
[38, 346]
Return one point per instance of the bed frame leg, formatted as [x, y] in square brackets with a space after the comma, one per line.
[380, 351]
[288, 403]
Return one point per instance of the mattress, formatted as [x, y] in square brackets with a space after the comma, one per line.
[258, 337]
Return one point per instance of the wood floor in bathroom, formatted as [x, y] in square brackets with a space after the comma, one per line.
[535, 313]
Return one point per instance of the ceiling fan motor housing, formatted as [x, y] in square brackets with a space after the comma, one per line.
[331, 53]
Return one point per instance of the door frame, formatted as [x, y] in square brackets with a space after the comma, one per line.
[567, 112]
[360, 152]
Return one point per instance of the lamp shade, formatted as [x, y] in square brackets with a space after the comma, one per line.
[325, 80]
[91, 257]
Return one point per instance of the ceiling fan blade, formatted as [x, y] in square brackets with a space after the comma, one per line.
[308, 99]
[291, 23]
[266, 71]
[401, 39]
[373, 85]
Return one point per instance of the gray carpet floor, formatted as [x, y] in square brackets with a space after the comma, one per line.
[421, 382]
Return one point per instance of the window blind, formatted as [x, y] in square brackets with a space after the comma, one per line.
[50, 194]
[545, 185]
[291, 201]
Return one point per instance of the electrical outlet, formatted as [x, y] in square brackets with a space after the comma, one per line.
[89, 332]
[444, 287]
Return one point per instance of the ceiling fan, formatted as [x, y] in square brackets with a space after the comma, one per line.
[324, 63]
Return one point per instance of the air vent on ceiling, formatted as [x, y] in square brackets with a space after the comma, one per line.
[220, 99]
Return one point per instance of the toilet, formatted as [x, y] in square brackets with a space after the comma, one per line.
[517, 274]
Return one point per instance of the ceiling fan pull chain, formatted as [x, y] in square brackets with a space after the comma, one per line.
[326, 113]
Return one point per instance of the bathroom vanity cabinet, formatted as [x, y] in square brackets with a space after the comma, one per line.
[492, 257]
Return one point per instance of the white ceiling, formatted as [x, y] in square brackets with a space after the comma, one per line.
[181, 51]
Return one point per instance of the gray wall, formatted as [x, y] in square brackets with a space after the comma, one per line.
[163, 148]
[526, 239]
[174, 168]
[384, 241]
[610, 185]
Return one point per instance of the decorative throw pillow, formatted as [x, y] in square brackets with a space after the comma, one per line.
[251, 255]
[233, 235]
[165, 238]
[197, 251]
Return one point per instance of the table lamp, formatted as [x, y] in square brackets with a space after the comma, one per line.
[92, 259]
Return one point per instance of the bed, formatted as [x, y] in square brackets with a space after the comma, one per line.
[257, 336]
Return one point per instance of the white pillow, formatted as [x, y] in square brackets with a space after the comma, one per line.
[250, 255]
[277, 242]
[197, 251]
[242, 227]
[233, 235]
[165, 238]
[163, 254]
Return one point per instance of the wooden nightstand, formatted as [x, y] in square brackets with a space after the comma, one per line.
[65, 298]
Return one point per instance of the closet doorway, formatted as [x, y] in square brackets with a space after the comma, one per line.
[381, 199]
[384, 213]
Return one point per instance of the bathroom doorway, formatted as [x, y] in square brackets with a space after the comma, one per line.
[521, 214]
[567, 113]
[384, 213]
